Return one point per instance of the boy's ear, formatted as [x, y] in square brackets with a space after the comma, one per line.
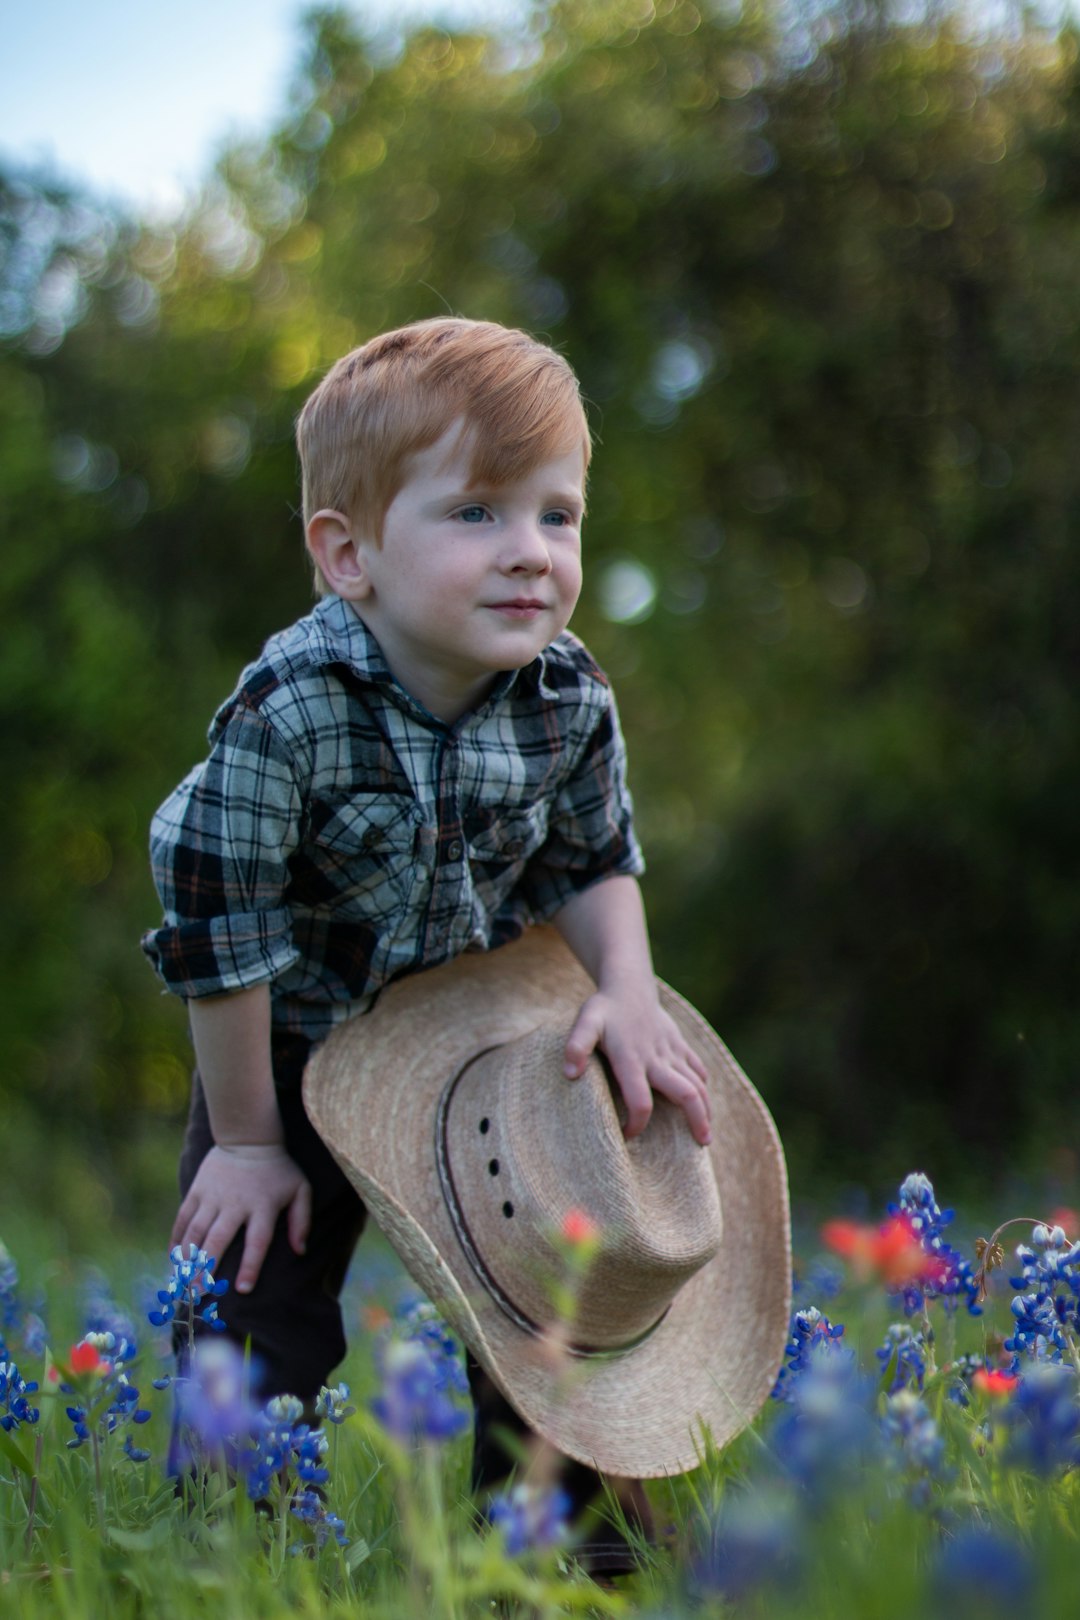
[340, 557]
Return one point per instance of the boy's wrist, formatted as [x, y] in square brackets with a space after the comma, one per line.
[634, 979]
[253, 1150]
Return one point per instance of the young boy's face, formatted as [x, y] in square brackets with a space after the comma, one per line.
[468, 580]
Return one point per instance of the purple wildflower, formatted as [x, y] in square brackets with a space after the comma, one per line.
[1050, 1313]
[419, 1322]
[916, 1447]
[102, 1315]
[212, 1404]
[1037, 1333]
[191, 1285]
[113, 1401]
[1051, 1258]
[419, 1388]
[1043, 1420]
[332, 1403]
[286, 1466]
[11, 1310]
[961, 1371]
[35, 1335]
[813, 1337]
[904, 1353]
[285, 1449]
[756, 1541]
[310, 1509]
[823, 1280]
[955, 1276]
[15, 1408]
[17, 1319]
[982, 1573]
[828, 1429]
[530, 1517]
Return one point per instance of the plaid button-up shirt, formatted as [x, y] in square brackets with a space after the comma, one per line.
[339, 836]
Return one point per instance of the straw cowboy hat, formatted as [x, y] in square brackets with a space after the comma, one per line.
[447, 1107]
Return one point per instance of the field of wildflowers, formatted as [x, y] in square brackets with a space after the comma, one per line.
[919, 1455]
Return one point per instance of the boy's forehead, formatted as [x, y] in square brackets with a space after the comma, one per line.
[454, 459]
[452, 453]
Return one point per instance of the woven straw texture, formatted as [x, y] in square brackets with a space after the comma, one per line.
[525, 1148]
[372, 1091]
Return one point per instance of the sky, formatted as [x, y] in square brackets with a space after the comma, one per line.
[134, 100]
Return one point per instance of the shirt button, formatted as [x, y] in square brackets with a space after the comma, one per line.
[453, 850]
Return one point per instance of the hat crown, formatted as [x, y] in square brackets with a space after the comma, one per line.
[522, 1147]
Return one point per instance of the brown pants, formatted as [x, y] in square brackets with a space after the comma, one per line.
[293, 1314]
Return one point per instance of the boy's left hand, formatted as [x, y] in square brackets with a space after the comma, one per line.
[647, 1053]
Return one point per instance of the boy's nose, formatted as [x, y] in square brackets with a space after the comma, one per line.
[527, 550]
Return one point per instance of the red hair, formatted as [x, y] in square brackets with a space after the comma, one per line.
[396, 395]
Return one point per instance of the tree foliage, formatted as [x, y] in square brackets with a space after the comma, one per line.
[816, 270]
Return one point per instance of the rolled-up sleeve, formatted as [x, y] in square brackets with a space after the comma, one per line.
[219, 849]
[591, 826]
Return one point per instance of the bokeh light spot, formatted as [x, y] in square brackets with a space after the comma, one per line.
[627, 591]
[844, 584]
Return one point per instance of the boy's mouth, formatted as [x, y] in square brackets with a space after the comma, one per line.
[520, 607]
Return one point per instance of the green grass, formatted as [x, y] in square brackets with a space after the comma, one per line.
[861, 1534]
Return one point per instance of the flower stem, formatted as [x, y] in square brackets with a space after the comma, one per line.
[99, 1487]
[1074, 1350]
[283, 1515]
[928, 1340]
[31, 1507]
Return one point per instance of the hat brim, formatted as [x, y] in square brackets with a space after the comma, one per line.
[371, 1091]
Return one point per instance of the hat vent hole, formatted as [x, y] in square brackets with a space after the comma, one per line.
[485, 1126]
[508, 1209]
[493, 1167]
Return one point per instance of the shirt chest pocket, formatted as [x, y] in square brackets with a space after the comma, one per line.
[365, 850]
[500, 850]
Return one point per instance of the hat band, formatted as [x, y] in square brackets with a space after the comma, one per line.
[475, 1259]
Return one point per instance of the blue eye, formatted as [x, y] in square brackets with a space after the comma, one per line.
[560, 519]
[472, 514]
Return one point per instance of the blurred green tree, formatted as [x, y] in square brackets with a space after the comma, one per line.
[815, 269]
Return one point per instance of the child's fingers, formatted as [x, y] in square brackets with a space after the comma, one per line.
[256, 1242]
[680, 1071]
[687, 1092]
[583, 1040]
[700, 1084]
[682, 1057]
[697, 1067]
[637, 1095]
[183, 1217]
[669, 1067]
[194, 1224]
[637, 1092]
[300, 1218]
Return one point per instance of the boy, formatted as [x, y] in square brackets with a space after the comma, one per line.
[420, 767]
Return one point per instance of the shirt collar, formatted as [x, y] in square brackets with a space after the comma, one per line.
[341, 637]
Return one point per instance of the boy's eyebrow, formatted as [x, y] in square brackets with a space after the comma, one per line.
[480, 488]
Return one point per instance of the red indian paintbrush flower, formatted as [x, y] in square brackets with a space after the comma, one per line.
[85, 1358]
[578, 1227]
[994, 1381]
[891, 1252]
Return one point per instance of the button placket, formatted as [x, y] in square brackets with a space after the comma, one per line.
[448, 882]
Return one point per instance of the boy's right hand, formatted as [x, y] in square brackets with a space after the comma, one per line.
[244, 1185]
